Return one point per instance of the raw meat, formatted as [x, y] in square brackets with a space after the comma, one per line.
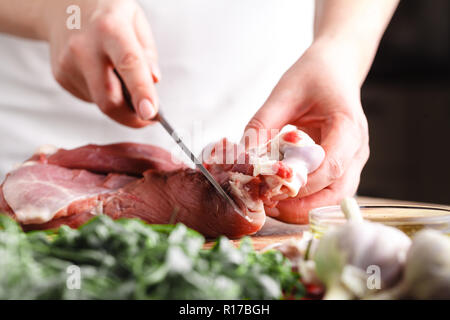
[128, 180]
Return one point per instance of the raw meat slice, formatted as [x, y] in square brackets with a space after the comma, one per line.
[129, 158]
[182, 196]
[37, 192]
[68, 187]
[41, 193]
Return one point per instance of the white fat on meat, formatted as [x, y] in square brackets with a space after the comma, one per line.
[47, 149]
[37, 192]
[301, 155]
[237, 183]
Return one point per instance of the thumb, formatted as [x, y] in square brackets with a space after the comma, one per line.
[278, 111]
[264, 125]
[270, 116]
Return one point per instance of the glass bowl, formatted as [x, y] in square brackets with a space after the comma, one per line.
[408, 218]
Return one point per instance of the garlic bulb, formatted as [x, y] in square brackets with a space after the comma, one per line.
[427, 270]
[346, 256]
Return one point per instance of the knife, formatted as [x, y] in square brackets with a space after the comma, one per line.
[166, 125]
[162, 120]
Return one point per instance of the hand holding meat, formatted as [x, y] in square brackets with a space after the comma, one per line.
[265, 174]
[115, 35]
[320, 95]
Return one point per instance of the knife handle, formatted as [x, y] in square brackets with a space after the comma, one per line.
[127, 97]
[126, 93]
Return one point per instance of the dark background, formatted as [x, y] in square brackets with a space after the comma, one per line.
[406, 98]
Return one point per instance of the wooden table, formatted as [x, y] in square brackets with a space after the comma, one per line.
[275, 231]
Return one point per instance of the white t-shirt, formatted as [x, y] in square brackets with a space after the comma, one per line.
[219, 60]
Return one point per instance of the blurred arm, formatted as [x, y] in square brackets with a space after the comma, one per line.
[23, 18]
[358, 24]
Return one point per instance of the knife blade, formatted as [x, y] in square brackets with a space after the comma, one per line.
[163, 121]
[165, 124]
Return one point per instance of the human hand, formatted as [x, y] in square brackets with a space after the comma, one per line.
[114, 34]
[320, 95]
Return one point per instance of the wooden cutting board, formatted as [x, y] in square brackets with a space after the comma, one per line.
[271, 233]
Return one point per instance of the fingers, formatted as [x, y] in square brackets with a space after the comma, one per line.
[282, 107]
[272, 115]
[127, 56]
[116, 37]
[106, 91]
[146, 39]
[341, 140]
[296, 210]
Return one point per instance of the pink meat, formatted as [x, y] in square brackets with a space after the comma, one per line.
[181, 196]
[166, 192]
[142, 181]
[48, 189]
[128, 158]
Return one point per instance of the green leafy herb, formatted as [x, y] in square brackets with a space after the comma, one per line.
[128, 259]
